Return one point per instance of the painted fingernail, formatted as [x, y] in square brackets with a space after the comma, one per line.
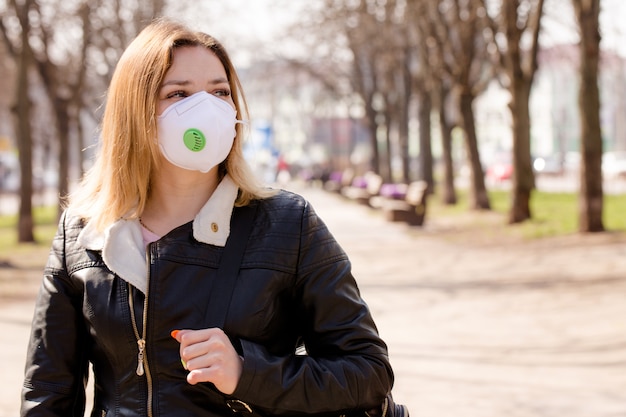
[175, 333]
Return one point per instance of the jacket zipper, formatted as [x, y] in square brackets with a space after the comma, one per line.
[142, 360]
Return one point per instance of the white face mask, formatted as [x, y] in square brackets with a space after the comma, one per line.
[197, 132]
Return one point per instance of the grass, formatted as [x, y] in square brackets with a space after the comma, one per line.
[21, 264]
[45, 219]
[553, 214]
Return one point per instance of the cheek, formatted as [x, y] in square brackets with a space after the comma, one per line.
[161, 108]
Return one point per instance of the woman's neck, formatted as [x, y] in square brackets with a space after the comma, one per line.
[176, 196]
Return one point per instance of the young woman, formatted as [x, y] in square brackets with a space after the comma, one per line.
[130, 283]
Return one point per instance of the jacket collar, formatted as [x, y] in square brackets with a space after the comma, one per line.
[121, 243]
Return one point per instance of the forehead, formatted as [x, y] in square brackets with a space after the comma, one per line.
[195, 62]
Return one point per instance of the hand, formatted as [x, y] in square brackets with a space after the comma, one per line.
[209, 356]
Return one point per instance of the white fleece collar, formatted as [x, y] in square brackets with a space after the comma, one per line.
[212, 223]
[122, 246]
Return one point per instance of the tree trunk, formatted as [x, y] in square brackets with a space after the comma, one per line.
[449, 191]
[520, 66]
[25, 142]
[80, 143]
[591, 193]
[523, 175]
[403, 135]
[373, 133]
[478, 198]
[384, 154]
[385, 157]
[426, 152]
[388, 144]
[62, 114]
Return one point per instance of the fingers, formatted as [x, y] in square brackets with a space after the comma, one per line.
[210, 357]
[203, 348]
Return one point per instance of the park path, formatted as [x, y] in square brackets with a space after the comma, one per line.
[476, 327]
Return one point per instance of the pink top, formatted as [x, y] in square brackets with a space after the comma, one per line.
[148, 236]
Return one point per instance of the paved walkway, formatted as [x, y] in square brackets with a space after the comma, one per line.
[475, 328]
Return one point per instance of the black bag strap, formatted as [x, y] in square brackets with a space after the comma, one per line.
[224, 284]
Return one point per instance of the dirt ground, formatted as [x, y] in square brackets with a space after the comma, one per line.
[478, 325]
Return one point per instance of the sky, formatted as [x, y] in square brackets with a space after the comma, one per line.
[262, 22]
[612, 18]
[238, 24]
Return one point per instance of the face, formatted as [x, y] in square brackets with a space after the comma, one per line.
[194, 69]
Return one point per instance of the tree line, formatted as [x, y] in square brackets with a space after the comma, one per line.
[64, 52]
[410, 59]
[397, 60]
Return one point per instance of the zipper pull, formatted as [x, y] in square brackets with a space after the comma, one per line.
[141, 344]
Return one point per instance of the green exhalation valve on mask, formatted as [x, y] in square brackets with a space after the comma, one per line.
[194, 140]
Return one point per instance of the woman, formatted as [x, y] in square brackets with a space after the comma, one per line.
[129, 281]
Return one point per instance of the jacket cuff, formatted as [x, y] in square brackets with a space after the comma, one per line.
[249, 370]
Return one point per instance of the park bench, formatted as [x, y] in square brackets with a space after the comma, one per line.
[362, 189]
[403, 203]
[337, 180]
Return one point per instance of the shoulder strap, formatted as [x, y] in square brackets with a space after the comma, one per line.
[224, 284]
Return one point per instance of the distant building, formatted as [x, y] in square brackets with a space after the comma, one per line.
[555, 119]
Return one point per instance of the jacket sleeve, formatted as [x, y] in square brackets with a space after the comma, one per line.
[56, 363]
[346, 366]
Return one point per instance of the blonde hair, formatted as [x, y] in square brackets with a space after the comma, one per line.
[118, 183]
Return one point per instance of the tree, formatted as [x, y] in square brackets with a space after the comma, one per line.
[446, 125]
[432, 76]
[458, 28]
[66, 62]
[515, 26]
[22, 52]
[383, 51]
[591, 193]
[418, 62]
[366, 46]
[63, 81]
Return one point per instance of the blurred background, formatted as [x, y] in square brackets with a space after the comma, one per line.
[492, 133]
[476, 95]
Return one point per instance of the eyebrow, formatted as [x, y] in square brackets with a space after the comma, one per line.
[220, 80]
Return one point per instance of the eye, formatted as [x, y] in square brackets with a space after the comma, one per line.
[221, 93]
[176, 94]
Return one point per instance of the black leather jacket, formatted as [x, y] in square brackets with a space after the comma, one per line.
[295, 284]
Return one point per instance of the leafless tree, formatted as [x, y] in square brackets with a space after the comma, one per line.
[431, 77]
[367, 48]
[406, 84]
[21, 51]
[37, 34]
[591, 193]
[516, 27]
[418, 63]
[65, 79]
[446, 125]
[458, 28]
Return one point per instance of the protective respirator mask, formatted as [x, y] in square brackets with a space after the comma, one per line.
[197, 132]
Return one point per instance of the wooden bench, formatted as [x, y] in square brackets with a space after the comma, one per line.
[410, 209]
[339, 179]
[363, 188]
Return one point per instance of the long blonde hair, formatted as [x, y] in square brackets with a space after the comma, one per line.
[118, 183]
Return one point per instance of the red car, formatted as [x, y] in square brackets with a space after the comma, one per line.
[501, 168]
